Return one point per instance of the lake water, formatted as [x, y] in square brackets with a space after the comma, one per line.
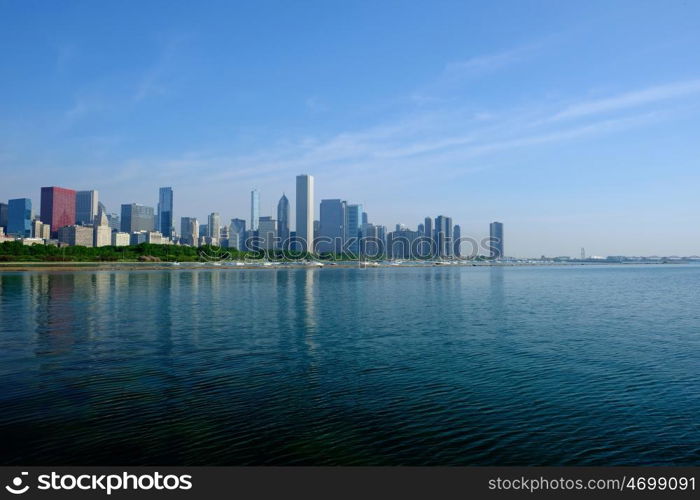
[586, 365]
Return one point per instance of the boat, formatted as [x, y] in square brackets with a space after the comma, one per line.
[368, 263]
[312, 263]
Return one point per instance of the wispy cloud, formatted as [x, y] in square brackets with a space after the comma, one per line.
[456, 74]
[483, 64]
[630, 99]
[153, 81]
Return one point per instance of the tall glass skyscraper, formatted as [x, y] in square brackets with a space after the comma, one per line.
[236, 234]
[331, 225]
[19, 217]
[443, 235]
[86, 205]
[283, 221]
[3, 216]
[457, 245]
[165, 211]
[305, 212]
[428, 227]
[137, 217]
[353, 222]
[254, 210]
[496, 236]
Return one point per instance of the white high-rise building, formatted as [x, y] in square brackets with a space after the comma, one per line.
[214, 225]
[305, 212]
[102, 233]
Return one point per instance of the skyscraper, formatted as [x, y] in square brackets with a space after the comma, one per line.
[283, 221]
[165, 211]
[19, 217]
[236, 234]
[57, 208]
[443, 235]
[3, 216]
[101, 232]
[496, 237]
[136, 217]
[214, 225]
[305, 212]
[353, 221]
[428, 227]
[254, 209]
[331, 224]
[267, 231]
[457, 245]
[114, 221]
[86, 205]
[189, 231]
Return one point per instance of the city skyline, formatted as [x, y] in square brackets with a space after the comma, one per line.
[135, 218]
[571, 144]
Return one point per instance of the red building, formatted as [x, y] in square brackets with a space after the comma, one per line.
[57, 208]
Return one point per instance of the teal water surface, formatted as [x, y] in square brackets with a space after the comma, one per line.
[586, 365]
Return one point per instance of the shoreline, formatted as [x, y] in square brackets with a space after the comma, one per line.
[161, 266]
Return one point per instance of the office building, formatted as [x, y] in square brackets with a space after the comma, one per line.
[254, 209]
[138, 237]
[189, 231]
[136, 217]
[400, 243]
[443, 235]
[353, 220]
[86, 206]
[3, 216]
[165, 211]
[267, 231]
[428, 227]
[214, 226]
[114, 221]
[75, 235]
[373, 241]
[496, 237]
[305, 212]
[331, 224]
[101, 232]
[457, 243]
[283, 222]
[236, 234]
[120, 239]
[57, 208]
[156, 238]
[41, 230]
[19, 217]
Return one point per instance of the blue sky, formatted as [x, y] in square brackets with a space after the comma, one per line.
[574, 123]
